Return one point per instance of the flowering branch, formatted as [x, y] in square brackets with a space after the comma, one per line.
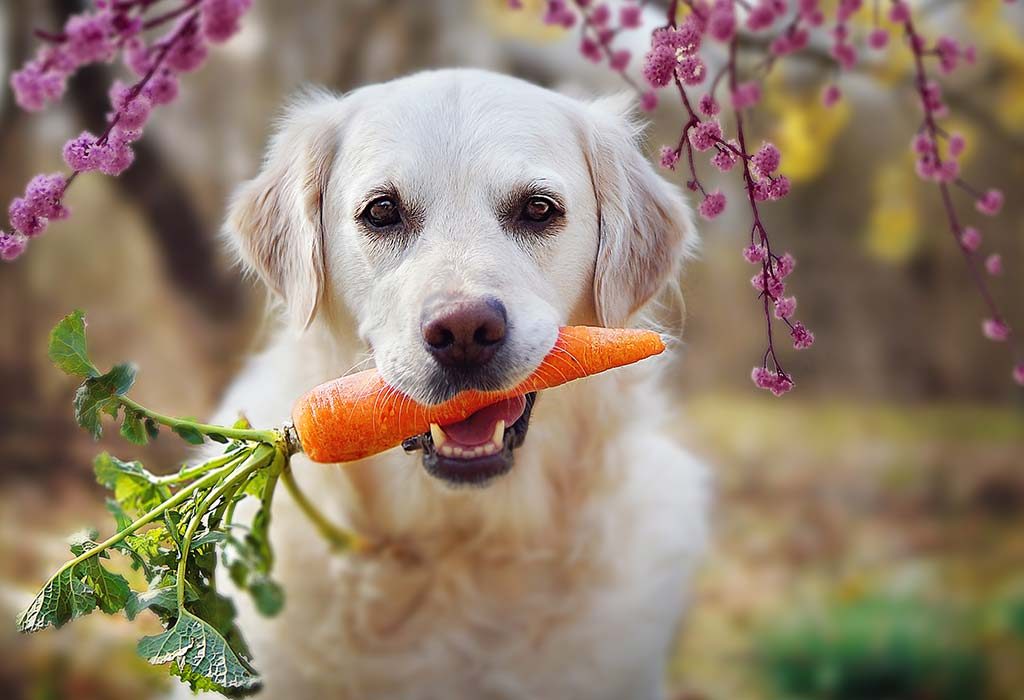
[113, 28]
[675, 59]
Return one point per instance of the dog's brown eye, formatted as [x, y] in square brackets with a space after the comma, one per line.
[382, 212]
[538, 209]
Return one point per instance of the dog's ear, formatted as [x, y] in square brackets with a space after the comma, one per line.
[645, 225]
[275, 220]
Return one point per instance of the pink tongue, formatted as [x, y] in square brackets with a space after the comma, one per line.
[479, 427]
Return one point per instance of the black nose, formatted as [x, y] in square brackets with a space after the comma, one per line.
[465, 333]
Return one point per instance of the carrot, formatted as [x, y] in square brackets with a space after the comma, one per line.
[353, 417]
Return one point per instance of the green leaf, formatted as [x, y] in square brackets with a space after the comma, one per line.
[67, 347]
[201, 656]
[97, 394]
[267, 595]
[189, 434]
[62, 599]
[164, 598]
[132, 428]
[110, 590]
[135, 488]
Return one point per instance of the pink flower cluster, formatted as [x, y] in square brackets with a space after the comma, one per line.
[675, 60]
[110, 29]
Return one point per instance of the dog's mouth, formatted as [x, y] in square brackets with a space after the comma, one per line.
[478, 449]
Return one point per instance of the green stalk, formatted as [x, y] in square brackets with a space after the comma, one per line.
[268, 436]
[192, 472]
[146, 519]
[341, 539]
[257, 460]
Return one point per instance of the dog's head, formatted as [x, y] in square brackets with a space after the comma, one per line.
[456, 219]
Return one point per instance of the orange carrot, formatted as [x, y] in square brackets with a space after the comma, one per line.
[353, 417]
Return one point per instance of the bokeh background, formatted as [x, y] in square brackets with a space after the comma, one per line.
[870, 525]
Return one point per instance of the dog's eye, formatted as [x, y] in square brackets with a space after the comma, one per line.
[538, 210]
[382, 212]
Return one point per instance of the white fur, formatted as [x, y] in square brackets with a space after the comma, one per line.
[565, 578]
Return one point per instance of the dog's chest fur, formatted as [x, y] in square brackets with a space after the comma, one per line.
[566, 579]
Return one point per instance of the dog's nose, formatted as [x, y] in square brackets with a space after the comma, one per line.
[465, 333]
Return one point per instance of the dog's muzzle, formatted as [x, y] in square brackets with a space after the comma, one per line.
[478, 449]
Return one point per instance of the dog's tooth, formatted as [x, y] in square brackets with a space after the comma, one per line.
[457, 451]
[439, 437]
[499, 433]
[490, 448]
[478, 452]
[446, 450]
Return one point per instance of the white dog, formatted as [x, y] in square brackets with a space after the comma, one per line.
[447, 223]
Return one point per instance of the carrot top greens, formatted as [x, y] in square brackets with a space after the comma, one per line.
[177, 529]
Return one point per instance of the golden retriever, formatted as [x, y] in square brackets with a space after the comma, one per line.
[443, 226]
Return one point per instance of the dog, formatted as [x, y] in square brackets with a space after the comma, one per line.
[443, 226]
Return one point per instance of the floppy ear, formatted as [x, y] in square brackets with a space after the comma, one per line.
[276, 219]
[645, 225]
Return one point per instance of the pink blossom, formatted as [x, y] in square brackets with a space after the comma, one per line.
[619, 59]
[630, 16]
[746, 95]
[162, 88]
[778, 187]
[704, 135]
[878, 39]
[931, 95]
[712, 206]
[768, 283]
[89, 38]
[133, 109]
[25, 219]
[785, 307]
[691, 70]
[34, 88]
[990, 203]
[11, 245]
[802, 338]
[669, 157]
[116, 155]
[994, 264]
[970, 239]
[726, 158]
[846, 54]
[755, 254]
[995, 329]
[776, 382]
[722, 22]
[1018, 373]
[761, 16]
[831, 95]
[188, 51]
[766, 160]
[600, 15]
[648, 101]
[922, 144]
[80, 153]
[220, 19]
[590, 50]
[948, 50]
[900, 12]
[685, 38]
[659, 63]
[784, 266]
[44, 194]
[708, 105]
[957, 144]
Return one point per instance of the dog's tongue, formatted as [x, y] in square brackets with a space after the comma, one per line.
[479, 427]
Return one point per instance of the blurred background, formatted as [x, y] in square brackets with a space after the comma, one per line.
[870, 525]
